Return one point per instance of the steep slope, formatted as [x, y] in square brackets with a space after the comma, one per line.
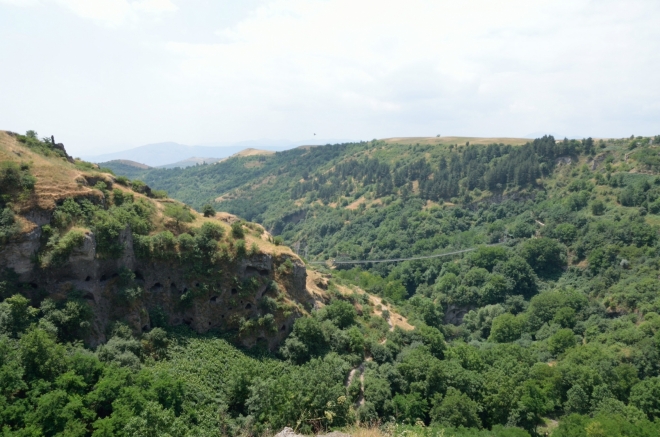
[72, 233]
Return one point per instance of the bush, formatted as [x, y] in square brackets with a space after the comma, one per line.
[208, 210]
[15, 177]
[241, 250]
[180, 213]
[123, 180]
[340, 312]
[8, 226]
[59, 249]
[107, 229]
[598, 207]
[211, 231]
[155, 343]
[16, 314]
[159, 194]
[237, 230]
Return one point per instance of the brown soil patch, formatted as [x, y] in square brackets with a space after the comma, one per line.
[356, 204]
[317, 285]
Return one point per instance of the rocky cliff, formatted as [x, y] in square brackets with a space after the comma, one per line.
[256, 293]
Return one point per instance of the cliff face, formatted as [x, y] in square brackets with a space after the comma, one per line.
[218, 305]
[257, 293]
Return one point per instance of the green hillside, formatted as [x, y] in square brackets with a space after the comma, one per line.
[552, 323]
[571, 292]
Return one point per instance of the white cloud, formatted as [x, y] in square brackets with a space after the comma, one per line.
[154, 6]
[23, 3]
[350, 69]
[515, 66]
[108, 12]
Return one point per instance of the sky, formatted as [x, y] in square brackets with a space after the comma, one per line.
[107, 75]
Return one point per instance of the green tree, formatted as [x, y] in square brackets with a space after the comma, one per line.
[506, 328]
[544, 255]
[180, 213]
[597, 207]
[645, 395]
[562, 340]
[41, 356]
[208, 210]
[455, 409]
[340, 312]
[16, 314]
[521, 275]
[410, 407]
[577, 400]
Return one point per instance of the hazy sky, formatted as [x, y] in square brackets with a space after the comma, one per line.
[104, 75]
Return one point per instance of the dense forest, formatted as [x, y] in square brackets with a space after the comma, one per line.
[551, 325]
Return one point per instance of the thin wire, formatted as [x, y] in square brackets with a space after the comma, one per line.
[367, 261]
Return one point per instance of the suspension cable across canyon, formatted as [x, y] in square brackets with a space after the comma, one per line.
[402, 259]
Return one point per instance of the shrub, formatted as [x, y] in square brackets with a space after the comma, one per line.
[106, 170]
[237, 230]
[138, 186]
[8, 226]
[208, 210]
[598, 207]
[211, 231]
[16, 314]
[241, 251]
[117, 196]
[155, 343]
[340, 312]
[163, 245]
[123, 180]
[179, 212]
[107, 229]
[159, 194]
[71, 317]
[14, 177]
[59, 249]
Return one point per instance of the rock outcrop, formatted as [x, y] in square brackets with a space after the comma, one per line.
[223, 304]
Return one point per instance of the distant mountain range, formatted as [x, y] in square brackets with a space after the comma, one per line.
[170, 154]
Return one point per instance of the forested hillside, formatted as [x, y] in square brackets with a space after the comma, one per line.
[552, 323]
[558, 322]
